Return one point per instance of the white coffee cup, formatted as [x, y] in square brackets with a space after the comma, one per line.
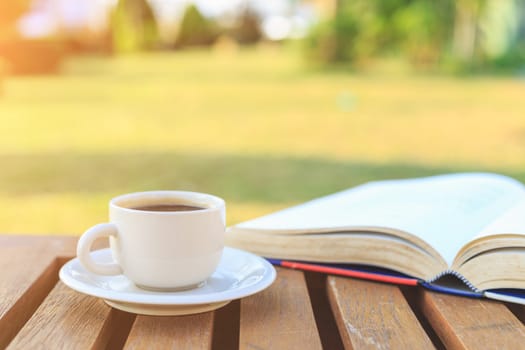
[160, 250]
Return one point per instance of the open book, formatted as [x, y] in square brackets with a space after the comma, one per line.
[457, 232]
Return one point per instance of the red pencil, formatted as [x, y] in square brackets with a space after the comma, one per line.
[379, 277]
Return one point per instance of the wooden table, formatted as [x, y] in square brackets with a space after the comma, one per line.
[299, 311]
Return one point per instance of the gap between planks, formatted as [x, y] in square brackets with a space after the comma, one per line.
[25, 307]
[118, 324]
[324, 317]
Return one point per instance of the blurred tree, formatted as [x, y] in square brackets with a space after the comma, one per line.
[247, 30]
[134, 26]
[195, 29]
[502, 34]
[499, 27]
[334, 40]
[466, 32]
[363, 29]
[458, 34]
[423, 31]
[487, 35]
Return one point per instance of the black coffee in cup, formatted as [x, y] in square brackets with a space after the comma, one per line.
[168, 207]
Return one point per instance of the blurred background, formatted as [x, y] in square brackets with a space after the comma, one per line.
[264, 103]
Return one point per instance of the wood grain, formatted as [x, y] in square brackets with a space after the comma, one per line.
[280, 317]
[66, 320]
[173, 332]
[374, 316]
[38, 312]
[28, 271]
[22, 261]
[463, 323]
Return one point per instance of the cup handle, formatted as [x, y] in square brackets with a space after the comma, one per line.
[84, 248]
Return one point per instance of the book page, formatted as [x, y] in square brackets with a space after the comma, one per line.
[513, 221]
[446, 211]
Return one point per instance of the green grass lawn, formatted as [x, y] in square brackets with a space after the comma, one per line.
[257, 127]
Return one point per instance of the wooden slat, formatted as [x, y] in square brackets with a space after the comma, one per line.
[22, 261]
[280, 317]
[463, 323]
[28, 271]
[174, 332]
[69, 320]
[38, 312]
[372, 315]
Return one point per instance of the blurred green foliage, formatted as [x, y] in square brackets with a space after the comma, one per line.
[334, 40]
[422, 29]
[362, 30]
[134, 26]
[195, 29]
[445, 35]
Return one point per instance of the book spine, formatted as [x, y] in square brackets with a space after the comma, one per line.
[451, 290]
[459, 276]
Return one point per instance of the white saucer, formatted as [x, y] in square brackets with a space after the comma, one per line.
[238, 275]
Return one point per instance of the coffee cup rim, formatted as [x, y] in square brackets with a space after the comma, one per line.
[207, 202]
